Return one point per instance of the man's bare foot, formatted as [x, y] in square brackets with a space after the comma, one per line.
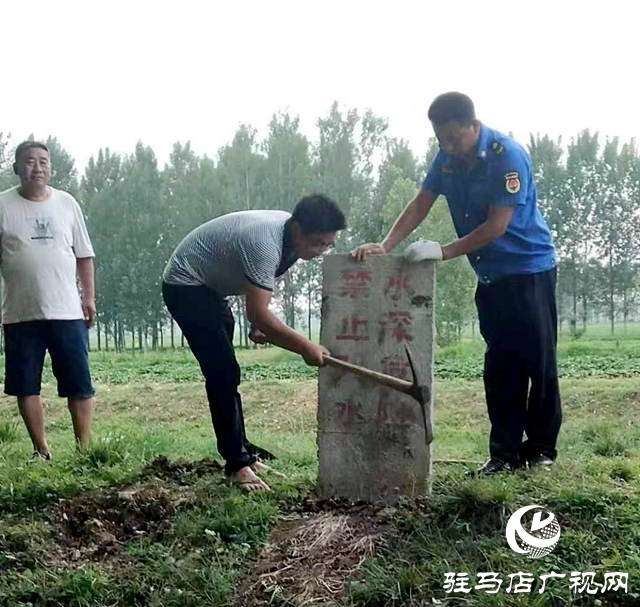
[248, 481]
[260, 467]
[38, 455]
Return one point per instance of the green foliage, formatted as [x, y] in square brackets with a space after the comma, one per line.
[7, 178]
[137, 212]
[184, 537]
[455, 279]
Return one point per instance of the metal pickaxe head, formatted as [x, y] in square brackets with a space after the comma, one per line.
[416, 388]
[422, 393]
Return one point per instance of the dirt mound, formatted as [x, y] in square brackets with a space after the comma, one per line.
[93, 526]
[124, 514]
[310, 556]
[181, 471]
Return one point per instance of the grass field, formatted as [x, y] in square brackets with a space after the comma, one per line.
[146, 518]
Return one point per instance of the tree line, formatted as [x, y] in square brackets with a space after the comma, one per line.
[138, 211]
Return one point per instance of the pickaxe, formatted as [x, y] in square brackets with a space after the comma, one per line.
[418, 390]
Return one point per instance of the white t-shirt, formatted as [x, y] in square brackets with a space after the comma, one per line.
[39, 244]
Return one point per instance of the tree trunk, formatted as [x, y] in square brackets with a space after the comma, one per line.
[245, 323]
[173, 343]
[309, 294]
[123, 338]
[612, 309]
[236, 310]
[575, 289]
[116, 334]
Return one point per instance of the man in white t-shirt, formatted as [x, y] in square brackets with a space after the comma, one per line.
[44, 249]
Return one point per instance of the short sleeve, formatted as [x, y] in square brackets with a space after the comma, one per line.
[260, 261]
[433, 181]
[82, 246]
[510, 177]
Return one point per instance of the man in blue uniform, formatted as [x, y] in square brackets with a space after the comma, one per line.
[488, 182]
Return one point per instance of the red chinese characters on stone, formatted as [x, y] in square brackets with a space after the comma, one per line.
[355, 283]
[353, 329]
[398, 323]
[396, 285]
[396, 365]
[348, 413]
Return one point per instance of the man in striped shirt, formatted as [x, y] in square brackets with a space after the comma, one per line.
[242, 253]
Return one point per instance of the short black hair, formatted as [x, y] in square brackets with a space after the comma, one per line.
[27, 145]
[451, 107]
[318, 214]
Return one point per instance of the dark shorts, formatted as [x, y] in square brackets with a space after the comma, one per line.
[25, 346]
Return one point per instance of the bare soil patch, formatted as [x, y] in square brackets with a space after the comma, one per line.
[93, 526]
[311, 554]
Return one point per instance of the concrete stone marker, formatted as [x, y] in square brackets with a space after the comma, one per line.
[371, 439]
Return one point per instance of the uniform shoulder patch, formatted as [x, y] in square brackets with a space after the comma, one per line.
[512, 182]
[497, 147]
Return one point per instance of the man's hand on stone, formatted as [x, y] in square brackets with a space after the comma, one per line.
[423, 249]
[371, 248]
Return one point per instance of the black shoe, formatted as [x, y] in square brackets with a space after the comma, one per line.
[540, 461]
[493, 466]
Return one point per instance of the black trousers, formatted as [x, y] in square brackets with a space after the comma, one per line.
[207, 324]
[518, 321]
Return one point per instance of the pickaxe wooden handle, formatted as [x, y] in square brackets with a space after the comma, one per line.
[420, 392]
[402, 385]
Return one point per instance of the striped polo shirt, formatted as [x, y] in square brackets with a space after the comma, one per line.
[232, 252]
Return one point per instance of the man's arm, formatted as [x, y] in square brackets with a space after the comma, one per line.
[86, 275]
[260, 263]
[411, 217]
[510, 177]
[274, 329]
[494, 227]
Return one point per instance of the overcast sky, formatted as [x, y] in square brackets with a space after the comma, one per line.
[99, 74]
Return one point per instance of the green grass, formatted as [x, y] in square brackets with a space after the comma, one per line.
[184, 537]
[590, 356]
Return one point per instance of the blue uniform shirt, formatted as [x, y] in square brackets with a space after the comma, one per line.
[501, 176]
